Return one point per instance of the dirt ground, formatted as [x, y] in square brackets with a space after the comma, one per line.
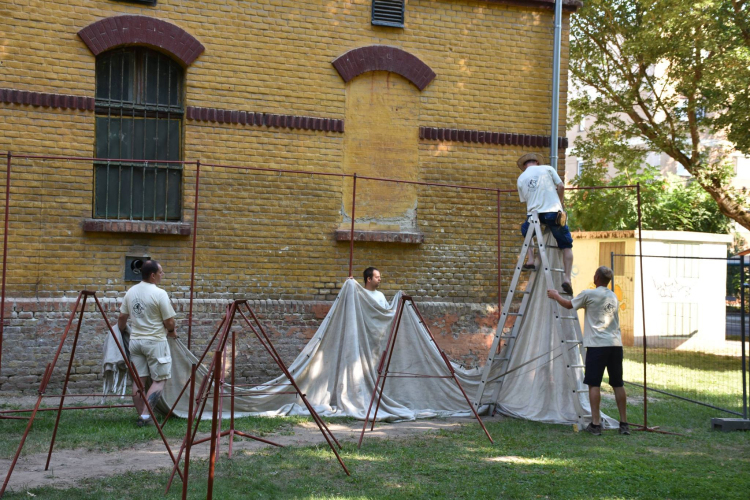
[69, 467]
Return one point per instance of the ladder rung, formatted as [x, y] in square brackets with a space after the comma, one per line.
[523, 292]
[557, 270]
[572, 342]
[576, 366]
[580, 390]
[515, 314]
[568, 317]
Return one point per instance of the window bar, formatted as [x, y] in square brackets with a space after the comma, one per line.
[145, 164]
[166, 180]
[132, 139]
[122, 109]
[156, 135]
[109, 122]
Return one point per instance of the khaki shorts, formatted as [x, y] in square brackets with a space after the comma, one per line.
[151, 358]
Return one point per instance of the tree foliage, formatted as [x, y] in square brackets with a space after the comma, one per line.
[659, 75]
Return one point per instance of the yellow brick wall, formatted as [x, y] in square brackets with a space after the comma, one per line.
[267, 235]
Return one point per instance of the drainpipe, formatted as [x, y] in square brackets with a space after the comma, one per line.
[556, 83]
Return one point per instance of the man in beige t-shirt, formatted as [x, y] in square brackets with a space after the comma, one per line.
[151, 321]
[601, 337]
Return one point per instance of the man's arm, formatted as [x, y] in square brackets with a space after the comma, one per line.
[122, 321]
[554, 294]
[169, 324]
[561, 194]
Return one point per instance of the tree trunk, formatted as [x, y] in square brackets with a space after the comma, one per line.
[729, 206]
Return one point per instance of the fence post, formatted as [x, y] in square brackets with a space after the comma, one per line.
[612, 266]
[643, 307]
[742, 336]
[5, 256]
[192, 259]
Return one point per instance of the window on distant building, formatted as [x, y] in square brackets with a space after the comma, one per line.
[388, 13]
[582, 124]
[579, 167]
[139, 113]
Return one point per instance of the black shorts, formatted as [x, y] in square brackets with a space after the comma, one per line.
[598, 358]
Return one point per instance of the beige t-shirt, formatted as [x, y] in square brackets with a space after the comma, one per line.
[602, 328]
[148, 307]
[537, 186]
[378, 297]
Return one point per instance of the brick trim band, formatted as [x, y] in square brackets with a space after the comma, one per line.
[384, 58]
[115, 31]
[483, 137]
[62, 101]
[264, 119]
[568, 5]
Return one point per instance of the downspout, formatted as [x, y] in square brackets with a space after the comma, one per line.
[556, 84]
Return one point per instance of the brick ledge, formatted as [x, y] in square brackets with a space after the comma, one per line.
[381, 236]
[136, 226]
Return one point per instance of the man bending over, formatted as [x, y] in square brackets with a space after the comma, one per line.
[603, 343]
[543, 190]
[151, 322]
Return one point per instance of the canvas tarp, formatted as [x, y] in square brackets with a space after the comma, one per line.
[337, 369]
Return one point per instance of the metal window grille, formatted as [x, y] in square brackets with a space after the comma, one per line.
[388, 13]
[139, 113]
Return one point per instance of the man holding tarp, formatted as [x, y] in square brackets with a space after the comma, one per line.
[152, 320]
[603, 343]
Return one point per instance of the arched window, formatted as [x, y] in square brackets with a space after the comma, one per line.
[139, 113]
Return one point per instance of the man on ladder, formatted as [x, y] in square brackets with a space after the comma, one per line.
[542, 189]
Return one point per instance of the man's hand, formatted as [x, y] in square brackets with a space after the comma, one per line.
[172, 334]
[555, 295]
[169, 324]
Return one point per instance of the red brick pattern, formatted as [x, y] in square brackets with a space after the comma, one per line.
[135, 226]
[485, 137]
[46, 100]
[141, 30]
[384, 58]
[250, 118]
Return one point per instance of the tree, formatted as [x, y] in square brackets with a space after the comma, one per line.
[656, 75]
[667, 204]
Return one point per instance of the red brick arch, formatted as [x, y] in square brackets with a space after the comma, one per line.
[384, 58]
[116, 31]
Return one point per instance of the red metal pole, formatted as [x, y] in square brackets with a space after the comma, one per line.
[643, 305]
[192, 261]
[380, 372]
[231, 410]
[134, 376]
[499, 260]
[186, 469]
[351, 233]
[65, 384]
[5, 255]
[390, 357]
[214, 419]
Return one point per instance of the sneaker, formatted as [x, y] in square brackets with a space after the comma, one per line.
[144, 422]
[596, 430]
[567, 288]
[624, 429]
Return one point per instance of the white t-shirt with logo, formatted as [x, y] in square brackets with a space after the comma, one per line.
[378, 297]
[537, 186]
[602, 328]
[148, 307]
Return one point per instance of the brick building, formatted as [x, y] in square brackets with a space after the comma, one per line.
[448, 91]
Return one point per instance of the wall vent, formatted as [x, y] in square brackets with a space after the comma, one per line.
[388, 13]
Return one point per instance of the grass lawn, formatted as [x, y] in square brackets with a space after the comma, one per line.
[528, 460]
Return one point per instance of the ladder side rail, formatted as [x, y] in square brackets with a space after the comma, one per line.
[502, 319]
[506, 354]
